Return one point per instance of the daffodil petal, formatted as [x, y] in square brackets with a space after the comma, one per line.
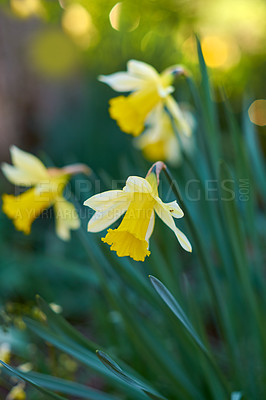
[28, 163]
[163, 92]
[25, 208]
[183, 240]
[122, 81]
[126, 244]
[151, 226]
[167, 218]
[174, 209]
[101, 220]
[17, 176]
[174, 109]
[173, 151]
[66, 218]
[152, 179]
[137, 184]
[102, 201]
[142, 70]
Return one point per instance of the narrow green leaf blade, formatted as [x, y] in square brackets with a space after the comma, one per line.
[25, 378]
[171, 302]
[208, 109]
[80, 353]
[60, 325]
[68, 387]
[115, 368]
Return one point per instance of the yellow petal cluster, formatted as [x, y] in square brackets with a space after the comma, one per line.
[46, 190]
[160, 141]
[139, 201]
[148, 89]
[17, 392]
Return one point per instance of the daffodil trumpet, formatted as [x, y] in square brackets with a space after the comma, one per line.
[46, 187]
[148, 89]
[139, 201]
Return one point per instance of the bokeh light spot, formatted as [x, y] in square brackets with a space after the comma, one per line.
[52, 54]
[114, 16]
[257, 112]
[77, 23]
[27, 8]
[76, 20]
[123, 19]
[215, 51]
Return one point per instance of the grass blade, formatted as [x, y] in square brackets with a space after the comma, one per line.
[67, 387]
[171, 302]
[25, 378]
[114, 367]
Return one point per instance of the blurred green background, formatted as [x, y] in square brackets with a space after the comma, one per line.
[51, 104]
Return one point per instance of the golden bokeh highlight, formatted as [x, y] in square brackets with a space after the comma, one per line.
[215, 51]
[27, 8]
[123, 19]
[257, 112]
[114, 16]
[218, 51]
[76, 20]
[52, 54]
[77, 23]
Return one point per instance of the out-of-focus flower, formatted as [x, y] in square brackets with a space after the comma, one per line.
[17, 392]
[160, 141]
[19, 323]
[68, 363]
[148, 87]
[5, 352]
[140, 200]
[56, 308]
[26, 367]
[47, 186]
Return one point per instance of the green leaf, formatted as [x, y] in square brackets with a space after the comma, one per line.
[68, 346]
[72, 348]
[60, 325]
[114, 367]
[25, 378]
[171, 302]
[208, 109]
[67, 387]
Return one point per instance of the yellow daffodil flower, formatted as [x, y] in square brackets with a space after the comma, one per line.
[47, 186]
[139, 200]
[160, 142]
[17, 392]
[5, 352]
[148, 88]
